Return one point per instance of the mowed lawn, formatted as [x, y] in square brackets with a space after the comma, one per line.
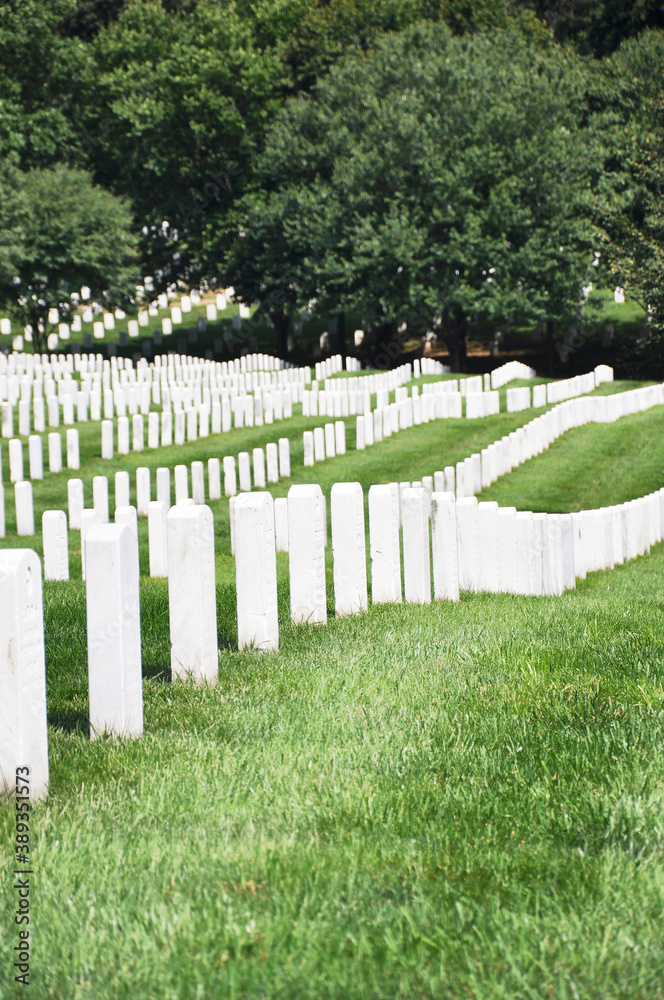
[455, 801]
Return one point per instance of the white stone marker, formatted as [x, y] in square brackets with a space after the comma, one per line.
[137, 432]
[258, 456]
[384, 522]
[56, 545]
[121, 491]
[567, 542]
[308, 445]
[100, 497]
[284, 458]
[157, 538]
[360, 437]
[244, 470]
[272, 462]
[25, 511]
[256, 572]
[340, 437]
[198, 482]
[525, 541]
[114, 631]
[128, 516]
[281, 524]
[75, 503]
[506, 548]
[489, 547]
[445, 556]
[73, 458]
[306, 554]
[89, 517]
[192, 595]
[468, 543]
[106, 439]
[164, 486]
[123, 435]
[35, 457]
[416, 549]
[230, 477]
[214, 478]
[23, 732]
[330, 449]
[181, 473]
[552, 556]
[142, 490]
[15, 460]
[319, 444]
[348, 548]
[54, 452]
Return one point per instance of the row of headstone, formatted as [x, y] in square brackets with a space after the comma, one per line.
[447, 544]
[324, 442]
[482, 404]
[508, 372]
[480, 470]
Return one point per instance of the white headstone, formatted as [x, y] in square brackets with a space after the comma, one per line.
[506, 548]
[75, 503]
[123, 435]
[114, 631]
[15, 460]
[230, 477]
[272, 461]
[23, 732]
[35, 456]
[198, 482]
[55, 544]
[181, 473]
[25, 513]
[73, 459]
[256, 572]
[416, 548]
[258, 456]
[100, 497]
[214, 478]
[107, 439]
[164, 486]
[54, 452]
[308, 444]
[489, 547]
[445, 556]
[348, 548]
[142, 490]
[192, 594]
[244, 470]
[157, 538]
[306, 554]
[284, 458]
[89, 517]
[384, 544]
[468, 543]
[281, 524]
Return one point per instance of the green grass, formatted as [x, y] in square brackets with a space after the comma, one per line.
[456, 801]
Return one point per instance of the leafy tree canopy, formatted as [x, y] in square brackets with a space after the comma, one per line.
[60, 233]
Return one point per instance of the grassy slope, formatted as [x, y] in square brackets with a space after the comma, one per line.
[447, 801]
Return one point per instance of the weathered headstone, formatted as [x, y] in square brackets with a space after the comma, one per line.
[192, 594]
[55, 544]
[256, 572]
[230, 477]
[114, 631]
[281, 524]
[384, 522]
[306, 554]
[308, 444]
[25, 512]
[198, 482]
[157, 538]
[416, 548]
[445, 557]
[23, 731]
[73, 458]
[348, 548]
[100, 497]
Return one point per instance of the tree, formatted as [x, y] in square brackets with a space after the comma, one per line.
[437, 179]
[61, 233]
[627, 100]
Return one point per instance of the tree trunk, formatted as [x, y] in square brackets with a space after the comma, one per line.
[550, 359]
[388, 346]
[281, 321]
[454, 326]
[39, 338]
